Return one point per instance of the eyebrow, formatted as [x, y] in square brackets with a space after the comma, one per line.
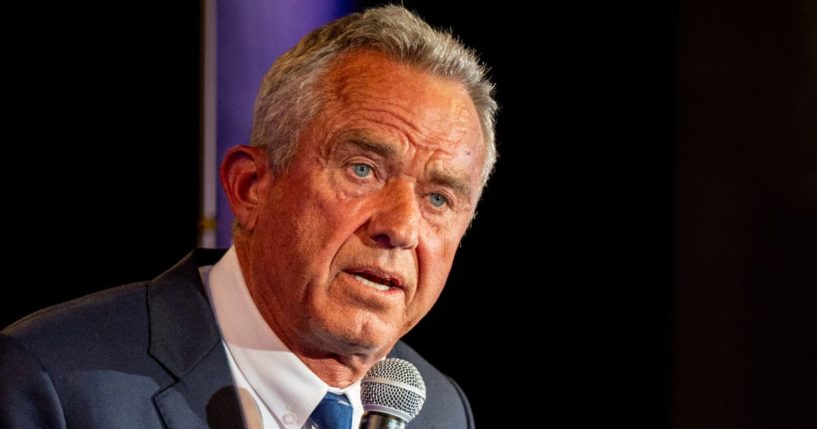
[364, 143]
[457, 183]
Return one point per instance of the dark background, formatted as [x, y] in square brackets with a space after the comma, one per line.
[645, 255]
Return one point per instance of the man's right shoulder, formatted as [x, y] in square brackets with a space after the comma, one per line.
[84, 322]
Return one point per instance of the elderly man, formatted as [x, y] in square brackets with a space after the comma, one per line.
[371, 143]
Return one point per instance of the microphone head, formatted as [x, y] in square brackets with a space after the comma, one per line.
[393, 386]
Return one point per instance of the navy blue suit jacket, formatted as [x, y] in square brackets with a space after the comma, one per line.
[148, 355]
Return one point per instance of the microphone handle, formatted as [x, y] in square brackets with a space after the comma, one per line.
[378, 420]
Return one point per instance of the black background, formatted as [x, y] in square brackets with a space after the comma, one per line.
[562, 288]
[644, 254]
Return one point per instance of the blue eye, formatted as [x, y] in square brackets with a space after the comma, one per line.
[362, 170]
[437, 200]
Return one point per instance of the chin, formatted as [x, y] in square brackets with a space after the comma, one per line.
[348, 337]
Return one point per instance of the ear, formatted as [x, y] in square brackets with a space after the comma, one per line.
[244, 176]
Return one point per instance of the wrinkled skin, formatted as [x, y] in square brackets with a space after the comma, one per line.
[381, 189]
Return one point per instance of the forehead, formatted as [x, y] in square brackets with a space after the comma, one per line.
[403, 105]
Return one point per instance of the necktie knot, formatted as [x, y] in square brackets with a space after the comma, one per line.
[334, 412]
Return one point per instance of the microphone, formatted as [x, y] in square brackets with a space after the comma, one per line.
[392, 393]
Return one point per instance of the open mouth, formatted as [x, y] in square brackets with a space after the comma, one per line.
[376, 280]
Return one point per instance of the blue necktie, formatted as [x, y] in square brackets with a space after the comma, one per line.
[334, 412]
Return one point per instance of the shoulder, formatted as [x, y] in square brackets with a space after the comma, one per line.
[99, 361]
[89, 315]
[118, 318]
[76, 329]
[60, 355]
[64, 319]
[446, 405]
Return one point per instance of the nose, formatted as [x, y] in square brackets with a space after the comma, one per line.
[396, 218]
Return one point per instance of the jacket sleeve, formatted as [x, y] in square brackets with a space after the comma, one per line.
[28, 398]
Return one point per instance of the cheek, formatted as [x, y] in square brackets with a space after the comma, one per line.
[289, 235]
[323, 222]
[436, 258]
[310, 239]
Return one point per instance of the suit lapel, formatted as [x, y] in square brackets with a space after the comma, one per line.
[204, 397]
[185, 339]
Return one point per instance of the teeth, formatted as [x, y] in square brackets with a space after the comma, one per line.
[372, 284]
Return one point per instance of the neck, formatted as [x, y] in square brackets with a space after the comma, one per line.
[338, 371]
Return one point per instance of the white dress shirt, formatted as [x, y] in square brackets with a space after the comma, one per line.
[276, 389]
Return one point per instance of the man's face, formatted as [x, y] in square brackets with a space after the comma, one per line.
[354, 241]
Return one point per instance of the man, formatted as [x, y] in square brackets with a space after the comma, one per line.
[372, 140]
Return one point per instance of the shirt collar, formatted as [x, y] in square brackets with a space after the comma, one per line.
[282, 381]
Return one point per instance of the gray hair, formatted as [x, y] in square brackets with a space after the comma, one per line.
[290, 94]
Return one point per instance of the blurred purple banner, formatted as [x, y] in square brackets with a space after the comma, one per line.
[250, 34]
